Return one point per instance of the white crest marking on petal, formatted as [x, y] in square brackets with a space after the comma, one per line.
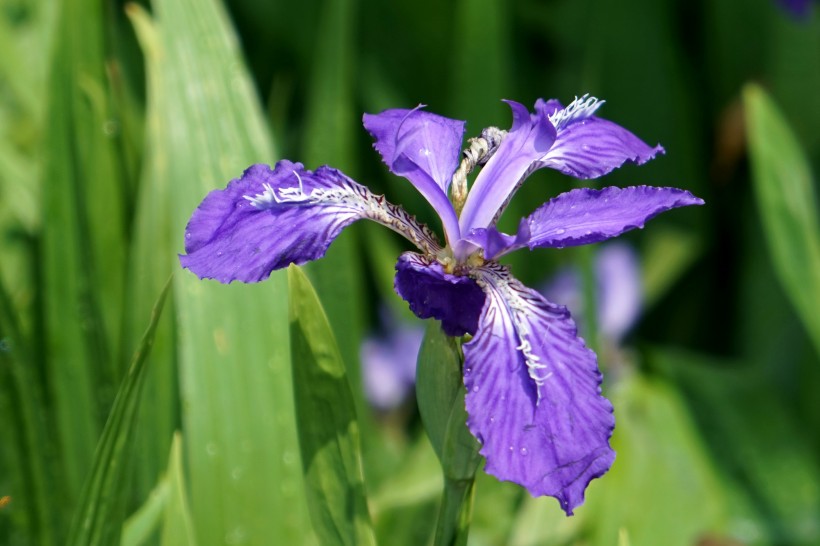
[349, 194]
[517, 300]
[579, 109]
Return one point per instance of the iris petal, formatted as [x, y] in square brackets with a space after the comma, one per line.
[533, 393]
[424, 148]
[589, 146]
[529, 138]
[584, 216]
[268, 219]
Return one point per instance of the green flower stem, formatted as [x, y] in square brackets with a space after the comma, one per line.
[455, 512]
[589, 289]
[440, 393]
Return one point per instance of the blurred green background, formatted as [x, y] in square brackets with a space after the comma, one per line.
[117, 118]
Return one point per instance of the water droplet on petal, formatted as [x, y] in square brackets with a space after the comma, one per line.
[512, 448]
[560, 231]
[475, 389]
[524, 451]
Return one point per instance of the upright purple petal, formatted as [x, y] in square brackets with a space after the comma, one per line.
[587, 146]
[268, 219]
[584, 215]
[424, 148]
[455, 300]
[533, 393]
[530, 137]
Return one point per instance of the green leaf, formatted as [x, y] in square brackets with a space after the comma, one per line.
[99, 517]
[438, 379]
[440, 394]
[27, 443]
[764, 453]
[167, 508]
[663, 469]
[328, 429]
[83, 240]
[144, 523]
[667, 254]
[785, 196]
[331, 126]
[178, 527]
[151, 260]
[205, 127]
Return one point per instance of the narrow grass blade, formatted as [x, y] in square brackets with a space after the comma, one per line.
[99, 517]
[328, 429]
[178, 527]
[82, 240]
[151, 260]
[784, 190]
[144, 523]
[233, 347]
[21, 403]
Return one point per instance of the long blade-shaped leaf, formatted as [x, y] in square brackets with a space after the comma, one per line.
[233, 347]
[177, 530]
[328, 429]
[787, 204]
[28, 441]
[151, 261]
[100, 515]
[331, 126]
[83, 239]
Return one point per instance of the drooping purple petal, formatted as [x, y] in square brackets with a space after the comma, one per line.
[587, 146]
[533, 393]
[424, 148]
[268, 219]
[530, 137]
[583, 216]
[432, 292]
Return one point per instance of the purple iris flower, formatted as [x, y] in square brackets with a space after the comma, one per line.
[533, 387]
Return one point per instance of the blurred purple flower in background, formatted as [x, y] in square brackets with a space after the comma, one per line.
[799, 9]
[389, 364]
[618, 290]
[533, 387]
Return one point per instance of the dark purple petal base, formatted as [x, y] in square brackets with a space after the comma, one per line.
[431, 292]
